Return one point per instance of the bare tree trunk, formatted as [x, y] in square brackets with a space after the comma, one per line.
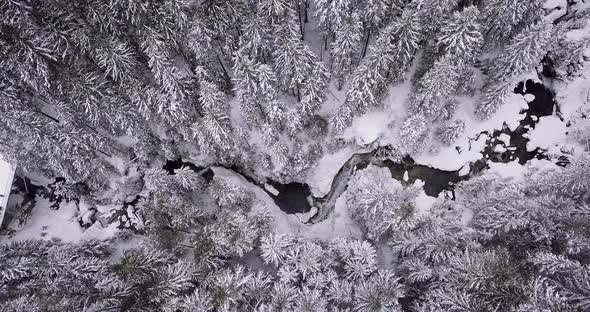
[306, 20]
[365, 45]
[50, 117]
[104, 153]
[301, 25]
[225, 72]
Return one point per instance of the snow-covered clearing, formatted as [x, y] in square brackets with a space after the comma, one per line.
[6, 177]
[61, 224]
[548, 134]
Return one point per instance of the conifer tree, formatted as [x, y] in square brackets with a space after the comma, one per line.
[345, 47]
[435, 87]
[387, 61]
[504, 18]
[433, 13]
[382, 205]
[414, 134]
[522, 54]
[460, 35]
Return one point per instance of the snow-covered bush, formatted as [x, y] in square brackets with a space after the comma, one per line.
[414, 134]
[448, 133]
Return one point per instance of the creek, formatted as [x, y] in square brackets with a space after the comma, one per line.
[296, 197]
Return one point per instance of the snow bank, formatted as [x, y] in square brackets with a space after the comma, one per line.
[320, 178]
[548, 133]
[367, 128]
[424, 203]
[512, 169]
[338, 224]
[6, 177]
[46, 223]
[449, 158]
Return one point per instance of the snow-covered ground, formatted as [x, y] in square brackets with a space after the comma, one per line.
[321, 177]
[6, 177]
[61, 224]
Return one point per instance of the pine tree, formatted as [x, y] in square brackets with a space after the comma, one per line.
[215, 122]
[345, 47]
[461, 35]
[522, 54]
[381, 204]
[331, 16]
[414, 134]
[54, 274]
[274, 249]
[293, 61]
[525, 50]
[449, 133]
[387, 61]
[381, 292]
[276, 10]
[433, 14]
[435, 87]
[504, 18]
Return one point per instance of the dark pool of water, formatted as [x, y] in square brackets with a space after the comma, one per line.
[292, 197]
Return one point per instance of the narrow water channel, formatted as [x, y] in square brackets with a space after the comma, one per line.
[295, 197]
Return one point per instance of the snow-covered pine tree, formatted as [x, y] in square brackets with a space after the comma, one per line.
[344, 49]
[449, 132]
[381, 204]
[215, 122]
[522, 54]
[433, 13]
[293, 61]
[414, 134]
[504, 18]
[59, 275]
[331, 17]
[460, 35]
[382, 291]
[525, 50]
[277, 11]
[435, 87]
[387, 61]
[256, 38]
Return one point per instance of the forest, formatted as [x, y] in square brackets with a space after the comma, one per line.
[295, 155]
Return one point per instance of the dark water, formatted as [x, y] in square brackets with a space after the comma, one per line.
[293, 197]
[172, 165]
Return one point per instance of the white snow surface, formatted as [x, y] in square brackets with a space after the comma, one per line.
[529, 97]
[46, 223]
[320, 178]
[271, 189]
[367, 128]
[548, 134]
[6, 177]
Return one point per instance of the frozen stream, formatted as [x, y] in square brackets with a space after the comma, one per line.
[297, 198]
